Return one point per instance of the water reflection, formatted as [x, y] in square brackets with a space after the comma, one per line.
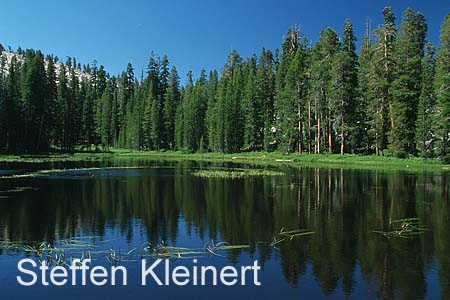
[342, 207]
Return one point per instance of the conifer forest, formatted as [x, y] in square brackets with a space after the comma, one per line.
[386, 93]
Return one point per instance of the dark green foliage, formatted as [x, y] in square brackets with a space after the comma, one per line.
[171, 101]
[442, 90]
[211, 119]
[341, 95]
[406, 86]
[380, 65]
[34, 98]
[265, 95]
[321, 67]
[125, 95]
[10, 109]
[426, 107]
[292, 98]
[364, 133]
[250, 107]
[106, 116]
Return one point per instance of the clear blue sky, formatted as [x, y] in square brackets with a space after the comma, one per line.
[194, 34]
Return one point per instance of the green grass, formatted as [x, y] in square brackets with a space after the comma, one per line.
[257, 158]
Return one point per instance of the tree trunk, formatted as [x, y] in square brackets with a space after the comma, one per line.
[318, 127]
[309, 127]
[300, 125]
[342, 129]
[330, 137]
[388, 92]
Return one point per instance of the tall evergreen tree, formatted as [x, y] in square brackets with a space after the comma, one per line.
[322, 59]
[34, 96]
[427, 100]
[2, 98]
[171, 101]
[211, 111]
[406, 87]
[442, 88]
[341, 93]
[349, 119]
[106, 129]
[11, 108]
[380, 81]
[265, 97]
[126, 92]
[74, 110]
[250, 106]
[52, 100]
[64, 105]
[291, 111]
[364, 132]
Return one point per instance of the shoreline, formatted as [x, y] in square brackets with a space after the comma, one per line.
[346, 161]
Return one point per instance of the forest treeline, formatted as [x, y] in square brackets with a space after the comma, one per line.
[393, 98]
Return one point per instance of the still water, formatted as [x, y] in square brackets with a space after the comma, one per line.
[117, 215]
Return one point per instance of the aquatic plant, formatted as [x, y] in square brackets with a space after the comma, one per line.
[64, 252]
[284, 235]
[404, 228]
[235, 173]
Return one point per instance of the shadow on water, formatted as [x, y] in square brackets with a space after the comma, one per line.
[163, 201]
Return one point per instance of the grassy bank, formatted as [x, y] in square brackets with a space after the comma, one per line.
[259, 158]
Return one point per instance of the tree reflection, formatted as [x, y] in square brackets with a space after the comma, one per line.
[342, 207]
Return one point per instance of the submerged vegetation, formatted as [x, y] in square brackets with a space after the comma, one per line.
[235, 173]
[405, 228]
[65, 251]
[288, 235]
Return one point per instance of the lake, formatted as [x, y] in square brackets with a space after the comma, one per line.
[317, 233]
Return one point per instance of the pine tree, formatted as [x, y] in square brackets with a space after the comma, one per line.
[424, 129]
[171, 101]
[322, 59]
[380, 80]
[52, 100]
[188, 116]
[115, 129]
[106, 102]
[63, 102]
[11, 108]
[126, 92]
[292, 102]
[442, 88]
[163, 81]
[195, 100]
[75, 109]
[264, 97]
[349, 113]
[2, 99]
[99, 84]
[179, 122]
[230, 104]
[88, 133]
[211, 111]
[147, 121]
[249, 105]
[406, 86]
[34, 97]
[364, 133]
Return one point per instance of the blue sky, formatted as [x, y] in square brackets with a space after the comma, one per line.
[194, 34]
